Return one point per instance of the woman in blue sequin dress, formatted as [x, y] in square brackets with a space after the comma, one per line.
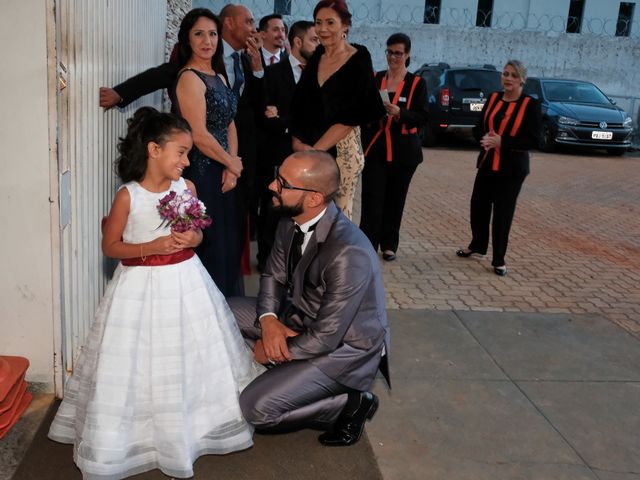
[203, 98]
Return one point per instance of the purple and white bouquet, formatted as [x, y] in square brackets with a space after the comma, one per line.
[183, 212]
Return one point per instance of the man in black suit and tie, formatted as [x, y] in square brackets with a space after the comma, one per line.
[280, 81]
[320, 316]
[273, 34]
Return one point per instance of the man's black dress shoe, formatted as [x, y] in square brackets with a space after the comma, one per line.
[349, 427]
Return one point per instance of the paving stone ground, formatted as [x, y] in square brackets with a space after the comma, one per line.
[574, 245]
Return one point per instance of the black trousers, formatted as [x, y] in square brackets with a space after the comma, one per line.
[499, 193]
[384, 192]
[267, 222]
[290, 396]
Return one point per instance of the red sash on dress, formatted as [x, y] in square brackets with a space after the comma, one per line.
[159, 260]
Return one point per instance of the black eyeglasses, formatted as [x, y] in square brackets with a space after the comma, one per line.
[394, 53]
[283, 184]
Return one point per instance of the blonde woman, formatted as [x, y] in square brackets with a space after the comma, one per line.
[508, 128]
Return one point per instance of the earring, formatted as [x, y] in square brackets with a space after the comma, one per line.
[344, 35]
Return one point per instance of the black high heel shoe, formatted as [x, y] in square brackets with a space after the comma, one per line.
[464, 254]
[500, 271]
[388, 255]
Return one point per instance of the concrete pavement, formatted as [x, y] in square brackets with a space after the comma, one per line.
[574, 245]
[532, 376]
[505, 396]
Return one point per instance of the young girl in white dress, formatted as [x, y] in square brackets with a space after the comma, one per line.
[158, 380]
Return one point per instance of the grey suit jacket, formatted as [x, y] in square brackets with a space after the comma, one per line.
[338, 295]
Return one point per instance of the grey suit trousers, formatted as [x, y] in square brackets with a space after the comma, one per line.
[289, 396]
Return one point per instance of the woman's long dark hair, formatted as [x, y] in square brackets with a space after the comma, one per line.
[184, 49]
[146, 125]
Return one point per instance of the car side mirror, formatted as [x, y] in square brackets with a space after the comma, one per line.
[613, 102]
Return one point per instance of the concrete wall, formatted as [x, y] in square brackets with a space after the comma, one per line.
[542, 15]
[510, 14]
[26, 298]
[461, 13]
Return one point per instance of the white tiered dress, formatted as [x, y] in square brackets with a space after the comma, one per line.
[158, 380]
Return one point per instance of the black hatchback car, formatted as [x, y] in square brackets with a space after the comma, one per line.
[577, 113]
[456, 96]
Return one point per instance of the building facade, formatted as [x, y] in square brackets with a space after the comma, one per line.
[597, 17]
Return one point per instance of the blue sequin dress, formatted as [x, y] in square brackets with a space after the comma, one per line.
[221, 247]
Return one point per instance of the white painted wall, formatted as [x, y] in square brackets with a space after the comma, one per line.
[541, 15]
[461, 13]
[510, 14]
[603, 14]
[26, 251]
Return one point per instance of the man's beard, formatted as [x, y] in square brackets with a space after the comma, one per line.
[306, 54]
[287, 211]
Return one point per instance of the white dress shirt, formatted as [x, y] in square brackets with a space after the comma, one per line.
[296, 67]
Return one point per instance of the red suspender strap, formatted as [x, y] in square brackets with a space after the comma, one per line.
[492, 99]
[405, 131]
[493, 114]
[375, 137]
[387, 129]
[503, 126]
[488, 120]
[387, 125]
[519, 117]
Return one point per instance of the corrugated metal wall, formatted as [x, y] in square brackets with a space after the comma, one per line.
[98, 43]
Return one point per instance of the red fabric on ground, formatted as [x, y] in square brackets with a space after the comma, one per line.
[14, 398]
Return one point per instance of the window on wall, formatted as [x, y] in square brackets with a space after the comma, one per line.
[625, 15]
[483, 17]
[574, 19]
[283, 7]
[432, 11]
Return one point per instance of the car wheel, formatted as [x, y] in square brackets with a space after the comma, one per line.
[547, 144]
[616, 152]
[430, 137]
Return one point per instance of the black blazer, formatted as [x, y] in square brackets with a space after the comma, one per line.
[156, 78]
[406, 145]
[520, 134]
[279, 87]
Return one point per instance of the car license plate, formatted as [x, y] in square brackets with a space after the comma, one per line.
[598, 135]
[476, 107]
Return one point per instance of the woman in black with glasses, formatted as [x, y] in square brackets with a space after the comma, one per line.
[508, 128]
[393, 149]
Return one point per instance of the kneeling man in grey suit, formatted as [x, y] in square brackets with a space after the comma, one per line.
[320, 317]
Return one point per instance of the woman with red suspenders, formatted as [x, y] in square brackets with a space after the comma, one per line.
[393, 148]
[508, 128]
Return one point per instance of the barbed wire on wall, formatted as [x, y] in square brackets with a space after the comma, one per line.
[377, 12]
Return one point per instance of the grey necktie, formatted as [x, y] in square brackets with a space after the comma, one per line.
[237, 73]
